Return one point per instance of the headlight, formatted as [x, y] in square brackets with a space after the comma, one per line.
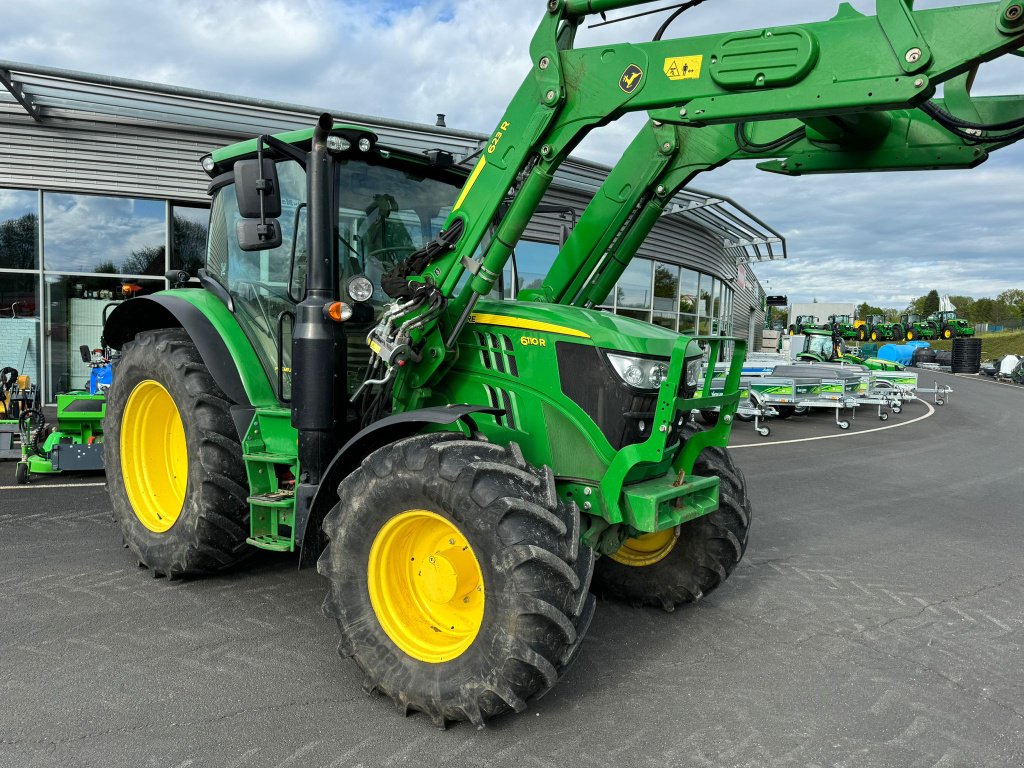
[639, 372]
[337, 143]
[360, 288]
[693, 371]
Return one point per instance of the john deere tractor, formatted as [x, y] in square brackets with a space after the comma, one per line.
[349, 386]
[950, 326]
[918, 328]
[804, 323]
[842, 325]
[880, 330]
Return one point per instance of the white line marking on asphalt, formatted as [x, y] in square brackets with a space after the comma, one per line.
[931, 412]
[30, 486]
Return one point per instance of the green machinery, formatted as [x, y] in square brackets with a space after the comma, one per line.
[75, 445]
[830, 347]
[803, 323]
[950, 326]
[878, 329]
[918, 328]
[348, 383]
[842, 325]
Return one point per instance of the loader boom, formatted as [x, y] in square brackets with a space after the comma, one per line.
[851, 85]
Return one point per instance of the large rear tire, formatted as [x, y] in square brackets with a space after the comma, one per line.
[173, 459]
[499, 606]
[696, 560]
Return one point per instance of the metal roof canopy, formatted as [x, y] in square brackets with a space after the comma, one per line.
[43, 92]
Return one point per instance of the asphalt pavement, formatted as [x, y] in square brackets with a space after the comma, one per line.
[875, 621]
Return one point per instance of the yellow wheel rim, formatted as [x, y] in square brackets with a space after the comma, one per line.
[648, 549]
[910, 334]
[425, 585]
[947, 334]
[154, 456]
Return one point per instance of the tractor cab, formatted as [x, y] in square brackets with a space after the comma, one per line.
[386, 205]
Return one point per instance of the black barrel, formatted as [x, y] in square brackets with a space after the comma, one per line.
[943, 357]
[966, 356]
[923, 355]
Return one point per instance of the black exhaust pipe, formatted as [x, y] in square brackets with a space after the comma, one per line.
[319, 364]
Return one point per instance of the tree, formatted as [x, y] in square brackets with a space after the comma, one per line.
[18, 242]
[1013, 298]
[964, 306]
[188, 245]
[145, 261]
[931, 303]
[865, 310]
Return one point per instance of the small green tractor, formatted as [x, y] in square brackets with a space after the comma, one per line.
[803, 323]
[842, 325]
[349, 385]
[878, 329]
[950, 326]
[918, 328]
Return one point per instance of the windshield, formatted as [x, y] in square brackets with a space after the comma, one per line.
[820, 345]
[384, 215]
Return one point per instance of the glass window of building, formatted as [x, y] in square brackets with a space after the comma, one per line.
[666, 296]
[87, 233]
[688, 291]
[19, 229]
[75, 308]
[189, 226]
[633, 294]
[533, 260]
[19, 324]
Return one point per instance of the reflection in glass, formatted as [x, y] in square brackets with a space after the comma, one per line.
[533, 260]
[189, 226]
[688, 290]
[74, 316]
[665, 319]
[666, 287]
[19, 324]
[86, 233]
[19, 229]
[634, 288]
[688, 324]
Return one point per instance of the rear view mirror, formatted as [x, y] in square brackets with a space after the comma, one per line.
[254, 235]
[251, 185]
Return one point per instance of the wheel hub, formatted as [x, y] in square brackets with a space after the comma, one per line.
[154, 456]
[648, 549]
[426, 586]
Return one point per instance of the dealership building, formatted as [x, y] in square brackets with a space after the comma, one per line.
[101, 192]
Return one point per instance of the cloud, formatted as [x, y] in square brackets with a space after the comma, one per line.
[880, 238]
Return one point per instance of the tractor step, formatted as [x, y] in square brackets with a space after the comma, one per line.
[270, 458]
[275, 499]
[271, 543]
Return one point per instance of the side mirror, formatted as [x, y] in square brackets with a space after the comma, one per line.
[254, 235]
[256, 180]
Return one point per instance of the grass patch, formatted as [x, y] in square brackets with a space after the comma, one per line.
[993, 345]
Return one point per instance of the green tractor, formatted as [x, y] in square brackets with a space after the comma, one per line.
[842, 325]
[804, 323]
[918, 328]
[830, 347]
[950, 326]
[879, 330]
[348, 385]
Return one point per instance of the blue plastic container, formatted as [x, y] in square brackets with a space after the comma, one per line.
[897, 353]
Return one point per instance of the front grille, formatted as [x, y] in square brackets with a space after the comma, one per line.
[623, 414]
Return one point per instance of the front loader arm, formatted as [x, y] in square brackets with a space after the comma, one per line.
[842, 68]
[615, 224]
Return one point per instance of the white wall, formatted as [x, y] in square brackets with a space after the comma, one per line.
[821, 311]
[14, 332]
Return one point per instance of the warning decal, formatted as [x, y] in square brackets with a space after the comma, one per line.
[683, 67]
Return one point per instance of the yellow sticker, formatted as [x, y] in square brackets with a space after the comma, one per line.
[683, 67]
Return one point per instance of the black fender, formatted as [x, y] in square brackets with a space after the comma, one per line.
[147, 313]
[308, 517]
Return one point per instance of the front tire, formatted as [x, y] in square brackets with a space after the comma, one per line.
[661, 571]
[487, 623]
[173, 459]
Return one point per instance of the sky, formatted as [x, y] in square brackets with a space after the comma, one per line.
[884, 239]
